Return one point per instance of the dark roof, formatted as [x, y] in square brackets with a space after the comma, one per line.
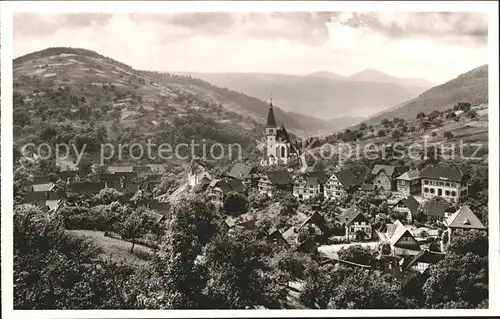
[322, 176]
[312, 181]
[388, 169]
[41, 179]
[279, 177]
[346, 178]
[106, 176]
[426, 256]
[127, 175]
[436, 207]
[67, 174]
[34, 197]
[465, 218]
[317, 219]
[240, 171]
[443, 172]
[271, 120]
[141, 168]
[410, 202]
[236, 185]
[351, 214]
[367, 187]
[229, 185]
[130, 187]
[87, 187]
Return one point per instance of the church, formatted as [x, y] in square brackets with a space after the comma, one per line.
[279, 149]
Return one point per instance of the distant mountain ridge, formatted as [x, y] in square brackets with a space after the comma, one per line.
[371, 75]
[322, 95]
[471, 87]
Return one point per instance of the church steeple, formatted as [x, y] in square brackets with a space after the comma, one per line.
[271, 120]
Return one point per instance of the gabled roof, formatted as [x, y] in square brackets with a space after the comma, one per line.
[312, 181]
[442, 172]
[53, 203]
[350, 215]
[465, 218]
[346, 178]
[322, 176]
[228, 185]
[410, 202]
[399, 232]
[436, 207]
[389, 170]
[240, 171]
[34, 197]
[317, 219]
[282, 135]
[426, 256]
[410, 175]
[279, 177]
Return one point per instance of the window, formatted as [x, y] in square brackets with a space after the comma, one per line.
[403, 183]
[441, 184]
[447, 193]
[426, 190]
[447, 184]
[453, 193]
[440, 192]
[426, 182]
[352, 229]
[432, 191]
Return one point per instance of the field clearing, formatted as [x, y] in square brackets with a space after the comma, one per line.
[116, 249]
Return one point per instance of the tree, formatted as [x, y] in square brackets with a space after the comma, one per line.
[359, 254]
[385, 122]
[289, 205]
[55, 271]
[134, 227]
[240, 275]
[235, 204]
[396, 134]
[381, 133]
[420, 116]
[461, 278]
[108, 195]
[447, 135]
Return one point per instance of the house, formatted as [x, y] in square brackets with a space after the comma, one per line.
[305, 187]
[357, 226]
[409, 183]
[87, 187]
[110, 180]
[218, 189]
[307, 246]
[339, 184]
[423, 260]
[463, 218]
[53, 205]
[401, 240]
[42, 184]
[242, 222]
[275, 236]
[164, 209]
[437, 209]
[445, 181]
[384, 176]
[318, 224]
[271, 181]
[126, 176]
[196, 173]
[151, 181]
[407, 205]
[245, 173]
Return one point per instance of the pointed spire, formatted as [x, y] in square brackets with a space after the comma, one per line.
[271, 120]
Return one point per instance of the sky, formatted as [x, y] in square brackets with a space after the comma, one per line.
[433, 46]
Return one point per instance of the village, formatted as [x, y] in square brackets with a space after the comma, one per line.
[421, 209]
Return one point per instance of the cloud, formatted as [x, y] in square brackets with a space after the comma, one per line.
[452, 26]
[271, 42]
